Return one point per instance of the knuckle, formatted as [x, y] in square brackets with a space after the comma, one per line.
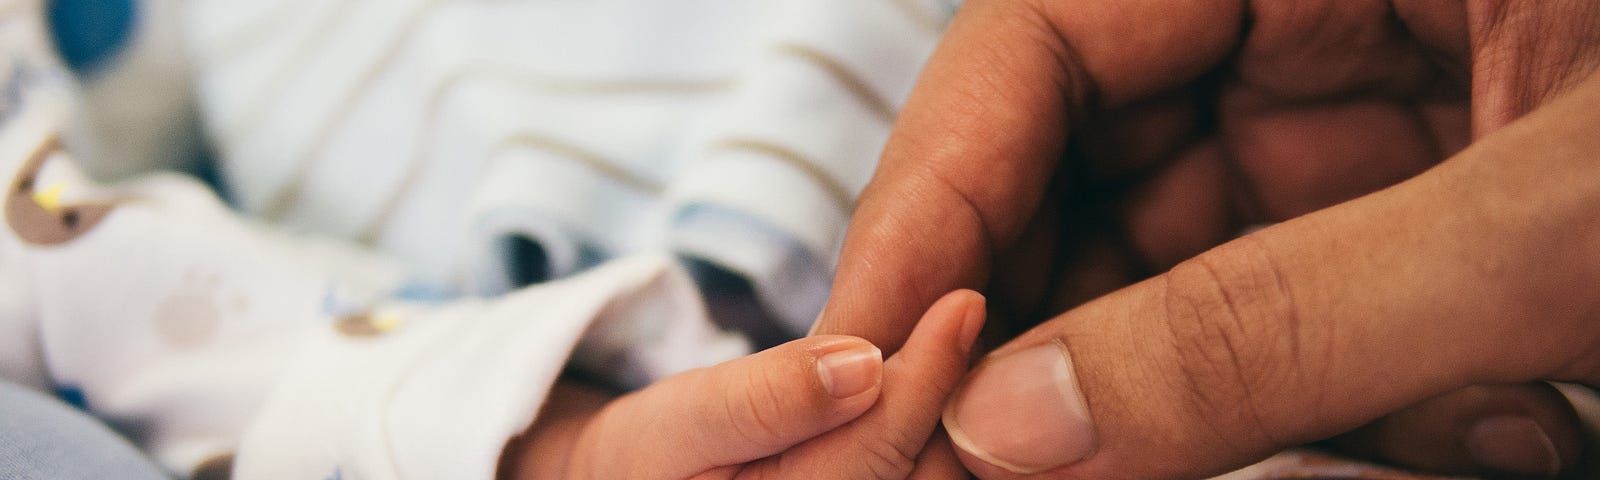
[760, 470]
[1493, 17]
[1237, 338]
[887, 460]
[756, 410]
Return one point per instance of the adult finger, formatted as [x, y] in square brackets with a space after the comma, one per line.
[938, 461]
[1300, 158]
[887, 441]
[732, 413]
[1485, 429]
[1482, 270]
[975, 147]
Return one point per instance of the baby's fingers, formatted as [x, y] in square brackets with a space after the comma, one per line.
[890, 441]
[732, 413]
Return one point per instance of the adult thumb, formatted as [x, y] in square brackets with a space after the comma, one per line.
[1481, 271]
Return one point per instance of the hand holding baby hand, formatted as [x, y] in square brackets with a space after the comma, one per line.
[819, 407]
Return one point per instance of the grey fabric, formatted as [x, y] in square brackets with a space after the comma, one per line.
[44, 438]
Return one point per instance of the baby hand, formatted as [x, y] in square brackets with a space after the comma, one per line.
[818, 407]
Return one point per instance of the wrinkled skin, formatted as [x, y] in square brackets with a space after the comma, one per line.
[1062, 152]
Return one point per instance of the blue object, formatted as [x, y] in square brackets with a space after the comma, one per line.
[90, 33]
[73, 396]
[420, 292]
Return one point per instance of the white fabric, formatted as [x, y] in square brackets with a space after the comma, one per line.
[177, 320]
[439, 395]
[592, 126]
[200, 334]
[169, 315]
[737, 131]
[30, 83]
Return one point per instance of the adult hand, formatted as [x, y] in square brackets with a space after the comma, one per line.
[819, 407]
[1436, 298]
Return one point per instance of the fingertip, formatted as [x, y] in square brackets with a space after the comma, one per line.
[751, 407]
[846, 378]
[964, 309]
[1514, 445]
[826, 342]
[1523, 430]
[853, 370]
[845, 367]
[976, 313]
[980, 466]
[983, 418]
[905, 410]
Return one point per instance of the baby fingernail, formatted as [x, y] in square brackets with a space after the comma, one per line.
[1023, 412]
[850, 372]
[1513, 444]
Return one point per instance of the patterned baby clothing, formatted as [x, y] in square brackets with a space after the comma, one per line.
[408, 168]
[734, 131]
[487, 145]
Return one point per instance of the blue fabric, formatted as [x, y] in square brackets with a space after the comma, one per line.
[43, 438]
[73, 396]
[89, 33]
